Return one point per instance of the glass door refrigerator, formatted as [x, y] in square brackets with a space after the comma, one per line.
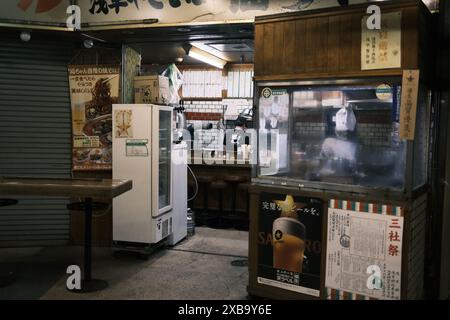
[142, 147]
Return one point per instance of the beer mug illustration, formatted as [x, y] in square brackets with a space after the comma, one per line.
[288, 244]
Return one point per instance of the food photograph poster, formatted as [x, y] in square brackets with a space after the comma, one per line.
[93, 91]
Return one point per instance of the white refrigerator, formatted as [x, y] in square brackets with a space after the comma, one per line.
[142, 150]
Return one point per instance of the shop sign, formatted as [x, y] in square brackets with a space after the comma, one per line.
[408, 108]
[167, 12]
[364, 251]
[290, 242]
[381, 48]
[195, 11]
[93, 90]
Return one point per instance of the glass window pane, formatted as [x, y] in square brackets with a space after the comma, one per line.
[339, 134]
[164, 158]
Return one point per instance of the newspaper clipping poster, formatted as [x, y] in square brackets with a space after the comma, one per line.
[93, 91]
[364, 250]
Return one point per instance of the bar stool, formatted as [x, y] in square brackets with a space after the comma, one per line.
[243, 222]
[88, 206]
[234, 181]
[204, 182]
[218, 221]
[191, 192]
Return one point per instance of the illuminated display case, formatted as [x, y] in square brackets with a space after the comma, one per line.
[340, 135]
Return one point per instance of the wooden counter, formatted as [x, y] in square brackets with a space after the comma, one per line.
[101, 188]
[219, 172]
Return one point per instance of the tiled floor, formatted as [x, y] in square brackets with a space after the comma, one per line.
[198, 268]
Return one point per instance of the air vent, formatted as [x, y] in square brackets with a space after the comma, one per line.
[165, 228]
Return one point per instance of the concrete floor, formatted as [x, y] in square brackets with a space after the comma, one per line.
[198, 268]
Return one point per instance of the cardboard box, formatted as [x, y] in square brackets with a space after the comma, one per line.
[151, 89]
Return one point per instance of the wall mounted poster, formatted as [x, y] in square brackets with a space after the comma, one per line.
[364, 251]
[93, 90]
[290, 242]
[408, 108]
[382, 49]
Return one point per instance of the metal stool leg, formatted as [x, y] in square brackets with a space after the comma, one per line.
[233, 198]
[7, 278]
[88, 284]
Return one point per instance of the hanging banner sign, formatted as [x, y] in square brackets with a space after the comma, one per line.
[104, 12]
[408, 108]
[93, 90]
[50, 11]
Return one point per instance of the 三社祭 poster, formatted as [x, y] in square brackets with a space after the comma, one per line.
[93, 91]
[364, 251]
[290, 242]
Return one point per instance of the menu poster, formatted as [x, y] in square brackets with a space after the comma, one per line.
[382, 48]
[364, 251]
[290, 242]
[93, 91]
[408, 108]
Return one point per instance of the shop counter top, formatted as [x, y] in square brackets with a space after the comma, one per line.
[224, 163]
[101, 188]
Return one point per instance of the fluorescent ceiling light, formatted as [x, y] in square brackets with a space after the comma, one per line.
[206, 57]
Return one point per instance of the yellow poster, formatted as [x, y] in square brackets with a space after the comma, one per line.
[93, 91]
[382, 49]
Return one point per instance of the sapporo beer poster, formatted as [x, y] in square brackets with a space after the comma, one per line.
[290, 242]
[93, 91]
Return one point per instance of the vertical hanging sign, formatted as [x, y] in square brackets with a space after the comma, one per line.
[408, 108]
[93, 91]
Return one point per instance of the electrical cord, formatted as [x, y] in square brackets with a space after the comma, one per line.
[196, 184]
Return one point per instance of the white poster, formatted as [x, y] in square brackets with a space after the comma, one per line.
[382, 49]
[364, 250]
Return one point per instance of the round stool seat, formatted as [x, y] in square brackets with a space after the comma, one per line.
[205, 179]
[81, 206]
[235, 179]
[218, 185]
[244, 186]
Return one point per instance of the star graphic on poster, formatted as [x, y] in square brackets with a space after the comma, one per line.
[411, 78]
[123, 129]
[289, 207]
[278, 235]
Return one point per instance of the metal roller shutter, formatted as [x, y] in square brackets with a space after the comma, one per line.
[35, 137]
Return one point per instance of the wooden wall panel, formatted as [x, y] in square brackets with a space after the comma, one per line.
[289, 54]
[259, 47]
[355, 27]
[410, 38]
[300, 46]
[327, 43]
[345, 43]
[334, 44]
[278, 47]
